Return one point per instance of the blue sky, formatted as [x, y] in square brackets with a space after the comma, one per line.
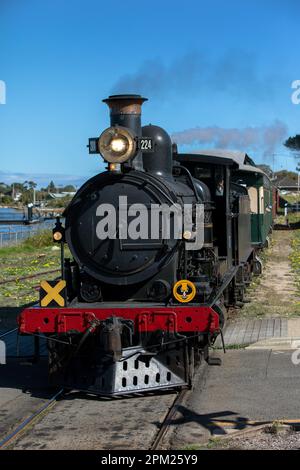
[203, 64]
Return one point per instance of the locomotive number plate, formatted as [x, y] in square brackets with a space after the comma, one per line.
[93, 145]
[146, 144]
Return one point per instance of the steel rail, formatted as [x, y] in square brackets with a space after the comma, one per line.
[8, 332]
[168, 419]
[30, 276]
[28, 421]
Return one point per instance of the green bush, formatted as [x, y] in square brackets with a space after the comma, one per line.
[59, 203]
[6, 199]
[40, 240]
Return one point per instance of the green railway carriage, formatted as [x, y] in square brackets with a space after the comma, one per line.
[260, 190]
[260, 193]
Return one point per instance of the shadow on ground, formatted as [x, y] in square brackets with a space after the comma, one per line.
[21, 374]
[290, 226]
[8, 315]
[216, 423]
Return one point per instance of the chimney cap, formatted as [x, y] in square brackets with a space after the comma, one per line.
[128, 97]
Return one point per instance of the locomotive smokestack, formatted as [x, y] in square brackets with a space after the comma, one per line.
[125, 110]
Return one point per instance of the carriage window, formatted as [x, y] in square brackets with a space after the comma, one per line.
[252, 191]
[202, 173]
[241, 183]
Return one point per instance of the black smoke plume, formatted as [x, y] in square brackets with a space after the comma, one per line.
[196, 74]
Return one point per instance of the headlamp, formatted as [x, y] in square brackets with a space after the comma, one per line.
[117, 144]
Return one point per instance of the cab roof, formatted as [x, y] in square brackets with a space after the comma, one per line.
[234, 158]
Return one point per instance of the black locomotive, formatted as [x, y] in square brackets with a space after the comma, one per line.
[161, 246]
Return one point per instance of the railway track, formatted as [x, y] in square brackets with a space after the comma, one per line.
[122, 416]
[27, 435]
[30, 276]
[22, 349]
[153, 444]
[116, 414]
[168, 420]
[6, 441]
[9, 332]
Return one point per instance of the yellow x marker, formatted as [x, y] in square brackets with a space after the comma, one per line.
[53, 293]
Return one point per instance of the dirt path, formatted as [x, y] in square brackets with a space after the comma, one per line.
[275, 292]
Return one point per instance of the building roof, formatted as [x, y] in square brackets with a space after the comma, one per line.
[62, 194]
[287, 182]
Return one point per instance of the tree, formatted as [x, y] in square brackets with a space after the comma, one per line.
[27, 197]
[5, 189]
[18, 187]
[283, 173]
[69, 188]
[293, 143]
[51, 187]
[6, 199]
[32, 185]
[59, 203]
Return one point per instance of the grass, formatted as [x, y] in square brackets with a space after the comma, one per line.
[255, 308]
[295, 258]
[235, 441]
[274, 428]
[270, 308]
[213, 443]
[293, 218]
[266, 303]
[291, 198]
[40, 240]
[34, 255]
[233, 346]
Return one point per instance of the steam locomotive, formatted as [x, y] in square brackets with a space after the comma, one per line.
[162, 244]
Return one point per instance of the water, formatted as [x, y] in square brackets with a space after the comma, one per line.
[7, 213]
[12, 233]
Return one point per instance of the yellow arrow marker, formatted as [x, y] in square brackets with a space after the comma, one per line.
[184, 286]
[184, 291]
[53, 293]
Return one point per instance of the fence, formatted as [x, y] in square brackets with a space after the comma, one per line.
[11, 236]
